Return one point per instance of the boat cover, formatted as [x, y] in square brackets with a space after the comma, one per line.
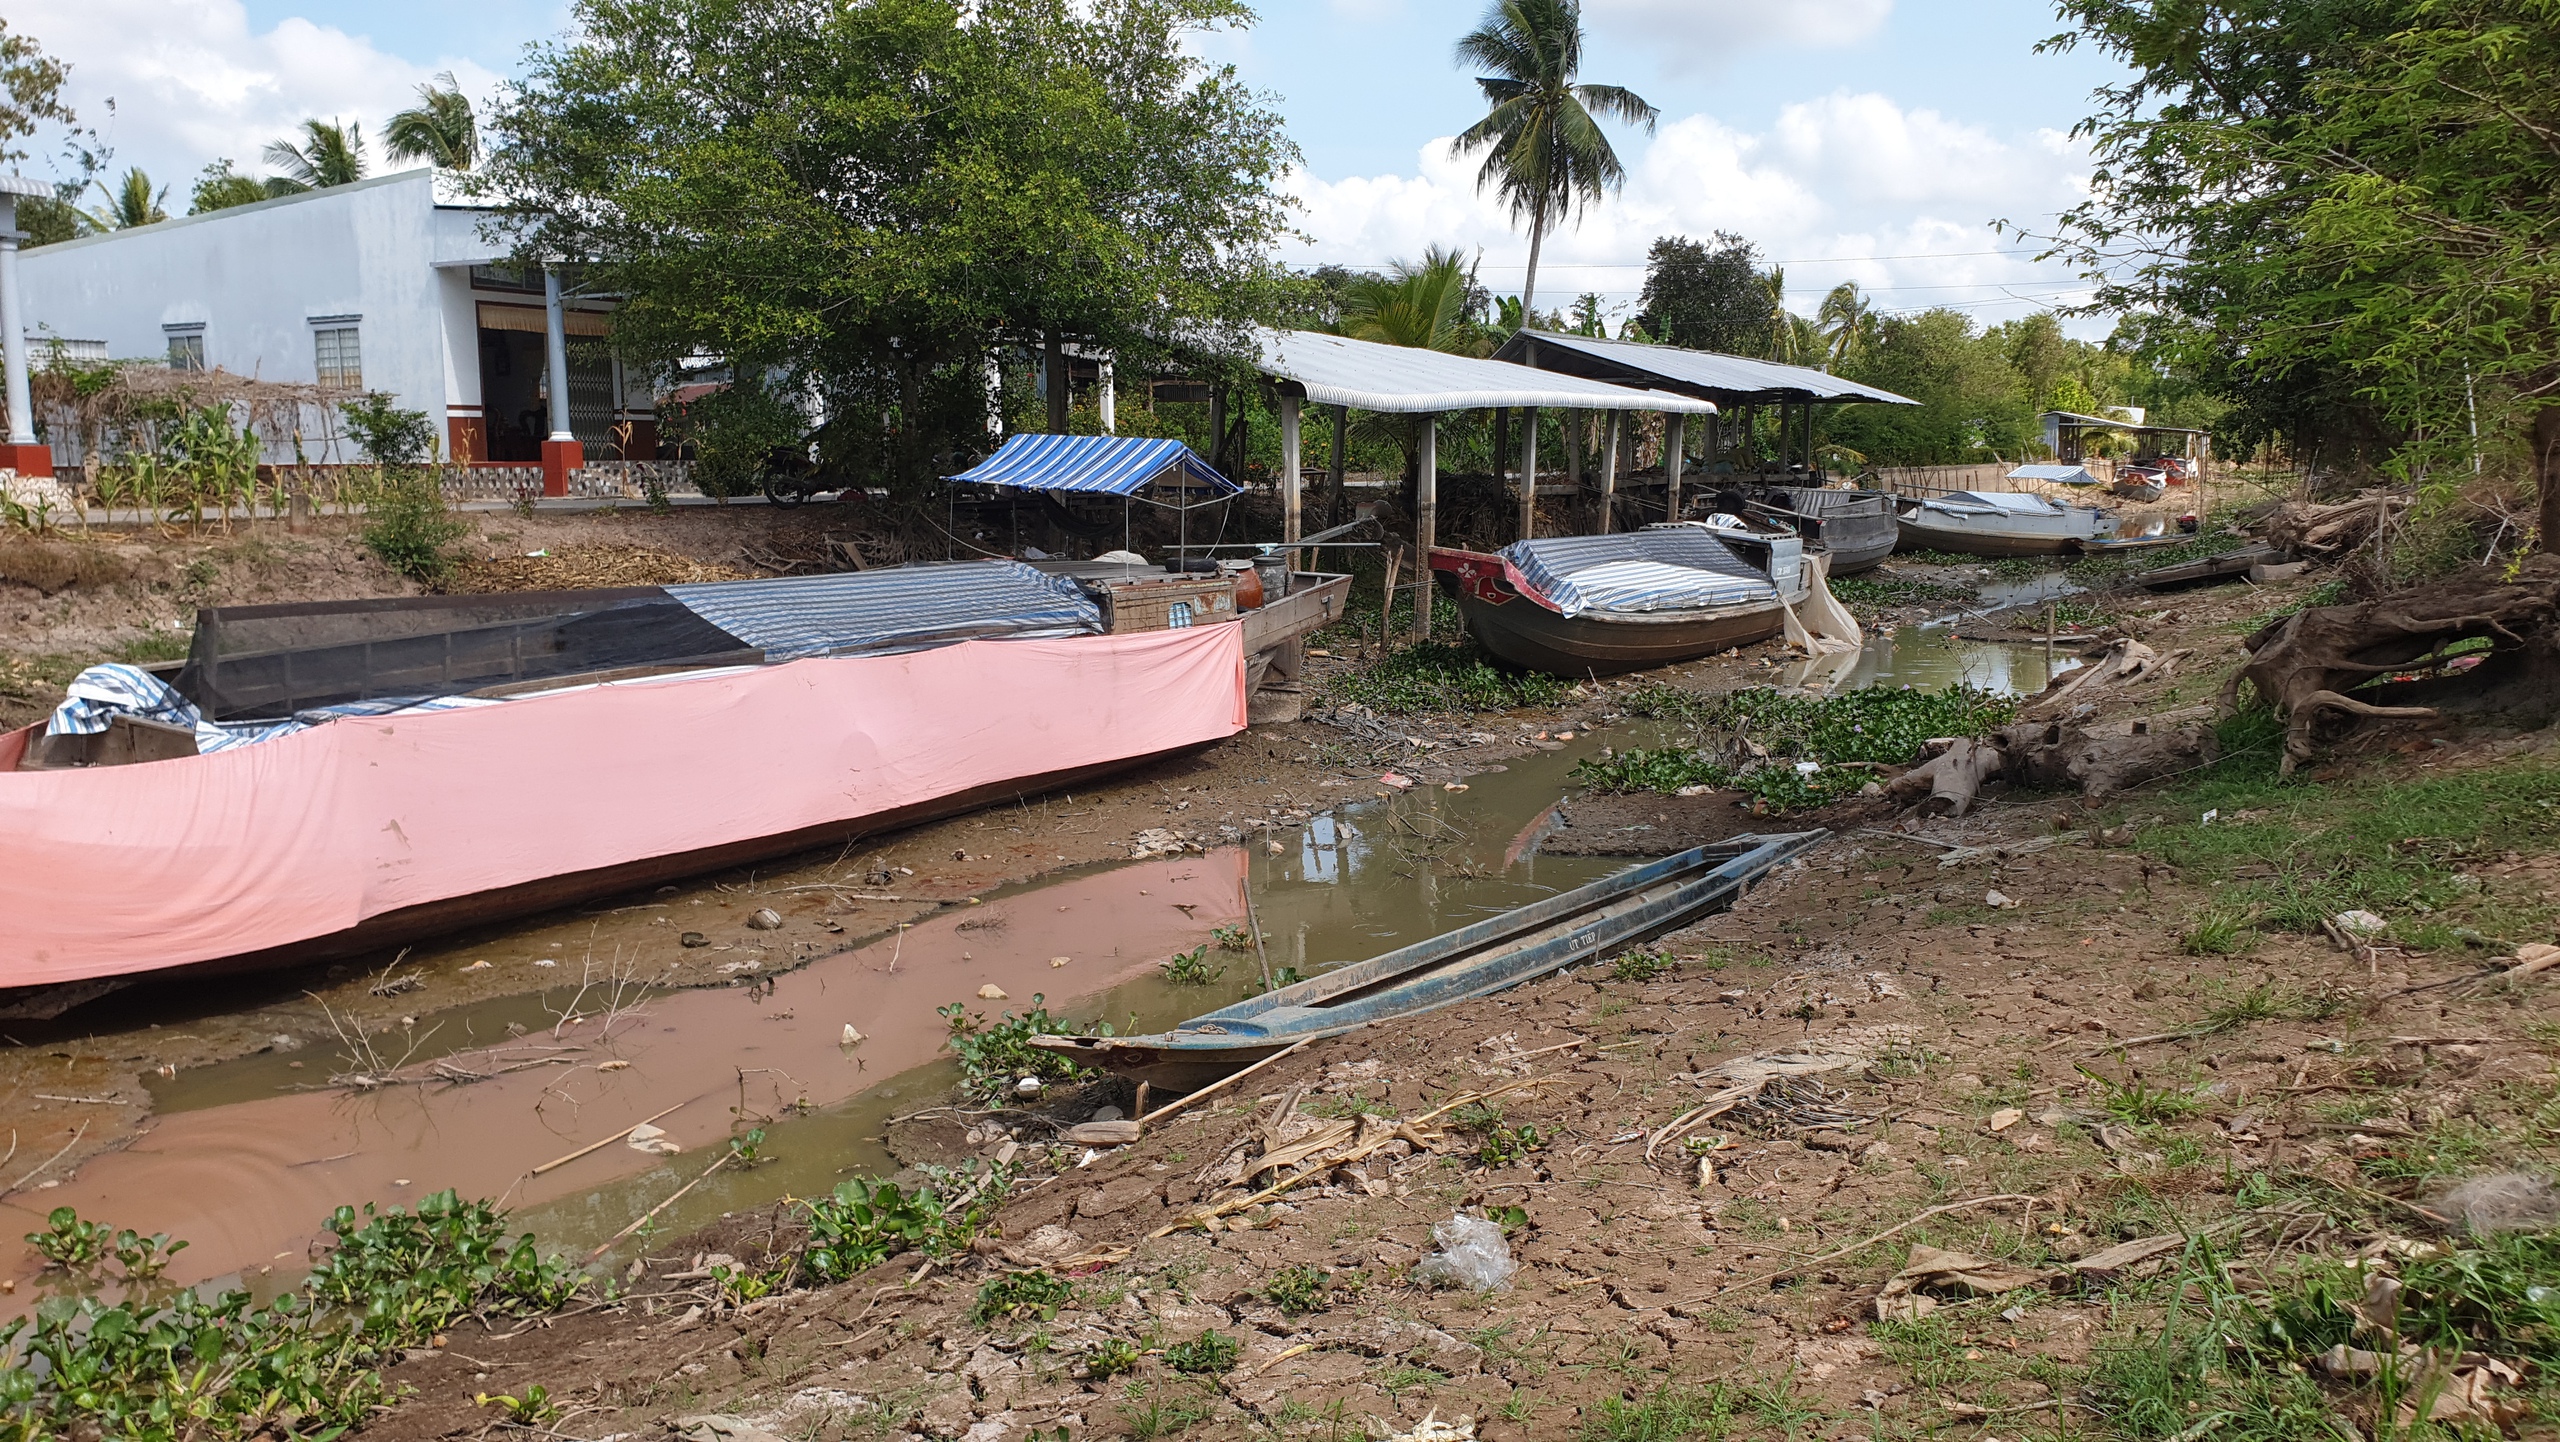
[2013, 503]
[100, 693]
[893, 610]
[114, 870]
[2055, 475]
[1675, 568]
[1106, 465]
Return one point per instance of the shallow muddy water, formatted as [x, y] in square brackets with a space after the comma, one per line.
[1932, 658]
[246, 1158]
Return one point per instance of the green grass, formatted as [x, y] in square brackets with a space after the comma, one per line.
[1446, 676]
[1666, 1414]
[2139, 1103]
[2284, 853]
[1842, 734]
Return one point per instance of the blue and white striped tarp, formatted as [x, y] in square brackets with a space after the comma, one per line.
[905, 609]
[102, 692]
[1673, 569]
[1110, 465]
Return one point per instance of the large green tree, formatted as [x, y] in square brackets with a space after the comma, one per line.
[1705, 295]
[31, 102]
[1973, 403]
[2342, 215]
[1543, 148]
[861, 203]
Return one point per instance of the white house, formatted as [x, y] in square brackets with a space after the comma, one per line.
[382, 285]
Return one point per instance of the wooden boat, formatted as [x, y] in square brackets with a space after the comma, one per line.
[1584, 924]
[1586, 606]
[2139, 485]
[1999, 523]
[555, 758]
[2229, 566]
[1857, 528]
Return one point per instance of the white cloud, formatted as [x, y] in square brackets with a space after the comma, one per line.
[192, 81]
[1843, 187]
[1687, 36]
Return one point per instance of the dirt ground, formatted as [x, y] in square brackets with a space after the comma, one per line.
[1993, 1036]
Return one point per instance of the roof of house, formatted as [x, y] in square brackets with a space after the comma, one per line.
[1728, 380]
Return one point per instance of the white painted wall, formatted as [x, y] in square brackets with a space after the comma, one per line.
[256, 275]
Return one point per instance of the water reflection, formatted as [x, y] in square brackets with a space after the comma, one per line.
[1932, 659]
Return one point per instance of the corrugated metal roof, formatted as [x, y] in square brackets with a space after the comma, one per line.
[1339, 371]
[1729, 379]
[1111, 465]
[2056, 475]
[904, 609]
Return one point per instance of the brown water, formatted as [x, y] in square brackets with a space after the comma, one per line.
[1932, 658]
[245, 1161]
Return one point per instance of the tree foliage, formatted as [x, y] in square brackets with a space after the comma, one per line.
[862, 201]
[1705, 296]
[440, 129]
[132, 202]
[221, 187]
[331, 153]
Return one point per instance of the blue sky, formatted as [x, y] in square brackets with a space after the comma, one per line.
[1852, 139]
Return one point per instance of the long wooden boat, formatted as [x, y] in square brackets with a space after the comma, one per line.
[2229, 566]
[1583, 606]
[309, 829]
[1999, 523]
[1857, 528]
[1580, 925]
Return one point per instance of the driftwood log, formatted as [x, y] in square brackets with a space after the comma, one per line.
[2305, 529]
[2306, 665]
[2057, 742]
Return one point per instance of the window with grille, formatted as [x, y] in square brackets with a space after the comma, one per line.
[186, 350]
[340, 362]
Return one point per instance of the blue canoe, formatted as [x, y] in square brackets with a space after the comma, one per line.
[1500, 951]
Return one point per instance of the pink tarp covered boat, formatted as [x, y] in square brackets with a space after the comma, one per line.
[372, 830]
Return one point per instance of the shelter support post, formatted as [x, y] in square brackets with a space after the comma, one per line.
[1528, 472]
[1609, 476]
[21, 454]
[1290, 526]
[1501, 443]
[1053, 381]
[1715, 443]
[1106, 400]
[560, 451]
[1426, 524]
[1675, 448]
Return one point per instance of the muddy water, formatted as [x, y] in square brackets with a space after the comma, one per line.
[1932, 658]
[245, 1159]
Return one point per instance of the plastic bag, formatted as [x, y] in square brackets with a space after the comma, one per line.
[1472, 1254]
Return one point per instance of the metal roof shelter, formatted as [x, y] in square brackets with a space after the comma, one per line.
[1104, 465]
[1344, 373]
[1731, 381]
[2064, 431]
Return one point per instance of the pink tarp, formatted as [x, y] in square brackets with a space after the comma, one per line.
[121, 869]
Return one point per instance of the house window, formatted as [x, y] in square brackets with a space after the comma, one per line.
[186, 350]
[340, 362]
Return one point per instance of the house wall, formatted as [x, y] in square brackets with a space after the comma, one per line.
[256, 276]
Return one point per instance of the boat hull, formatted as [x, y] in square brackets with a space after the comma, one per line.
[1528, 635]
[1856, 528]
[370, 833]
[1976, 542]
[1479, 959]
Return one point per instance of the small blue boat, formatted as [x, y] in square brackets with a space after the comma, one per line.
[1475, 960]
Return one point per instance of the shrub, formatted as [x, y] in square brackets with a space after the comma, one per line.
[388, 435]
[994, 1054]
[408, 528]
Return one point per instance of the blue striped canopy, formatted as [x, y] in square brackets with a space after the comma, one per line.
[1110, 465]
[1676, 568]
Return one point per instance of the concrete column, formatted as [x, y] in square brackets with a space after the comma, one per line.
[560, 452]
[1528, 472]
[1107, 402]
[1053, 381]
[1609, 477]
[1675, 445]
[1290, 520]
[1426, 523]
[21, 453]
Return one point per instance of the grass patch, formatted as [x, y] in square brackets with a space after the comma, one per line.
[1208, 1354]
[1841, 735]
[1446, 676]
[1666, 1414]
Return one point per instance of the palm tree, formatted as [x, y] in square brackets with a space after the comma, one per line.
[1422, 305]
[439, 129]
[1544, 149]
[1787, 330]
[1848, 321]
[133, 202]
[331, 154]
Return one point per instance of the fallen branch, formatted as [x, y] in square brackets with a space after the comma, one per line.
[559, 1162]
[1869, 1242]
[21, 1182]
[1169, 1108]
[645, 1217]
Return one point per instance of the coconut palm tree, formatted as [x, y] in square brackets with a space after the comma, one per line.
[1786, 329]
[439, 129]
[133, 202]
[1849, 323]
[1541, 138]
[1422, 305]
[331, 154]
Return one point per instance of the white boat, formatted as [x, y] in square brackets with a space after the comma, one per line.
[1999, 523]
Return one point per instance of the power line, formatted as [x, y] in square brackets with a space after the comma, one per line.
[1640, 265]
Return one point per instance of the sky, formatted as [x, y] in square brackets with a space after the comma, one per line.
[1866, 140]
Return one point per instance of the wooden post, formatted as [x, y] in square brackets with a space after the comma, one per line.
[1289, 517]
[1333, 472]
[1609, 475]
[1426, 522]
[1576, 436]
[1675, 444]
[1218, 429]
[1054, 372]
[1501, 443]
[1528, 472]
